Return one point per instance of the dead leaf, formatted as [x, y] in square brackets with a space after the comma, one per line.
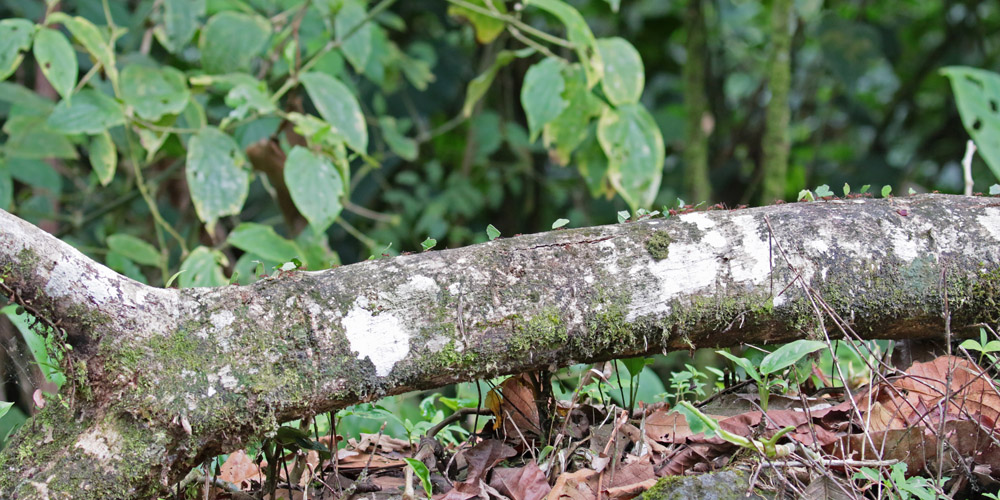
[522, 483]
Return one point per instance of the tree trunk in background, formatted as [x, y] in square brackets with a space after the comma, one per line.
[776, 141]
[699, 122]
[159, 380]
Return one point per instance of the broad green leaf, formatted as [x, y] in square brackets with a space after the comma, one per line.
[624, 75]
[263, 241]
[487, 27]
[218, 182]
[135, 249]
[201, 268]
[479, 85]
[91, 38]
[338, 106]
[886, 191]
[634, 365]
[492, 232]
[35, 173]
[789, 354]
[403, 146]
[569, 129]
[428, 244]
[57, 59]
[593, 165]
[423, 473]
[15, 39]
[30, 137]
[560, 223]
[541, 94]
[25, 99]
[36, 344]
[977, 92]
[578, 33]
[357, 46]
[123, 265]
[6, 186]
[180, 21]
[154, 91]
[89, 112]
[746, 364]
[244, 98]
[697, 421]
[103, 157]
[230, 40]
[5, 407]
[316, 187]
[634, 147]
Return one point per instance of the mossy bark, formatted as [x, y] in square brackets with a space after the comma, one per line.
[776, 143]
[162, 379]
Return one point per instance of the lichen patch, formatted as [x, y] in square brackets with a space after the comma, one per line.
[379, 336]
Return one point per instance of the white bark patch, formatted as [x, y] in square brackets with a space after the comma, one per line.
[222, 319]
[378, 336]
[688, 268]
[991, 222]
[754, 266]
[98, 443]
[699, 219]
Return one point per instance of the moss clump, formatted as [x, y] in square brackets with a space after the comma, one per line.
[658, 245]
[544, 329]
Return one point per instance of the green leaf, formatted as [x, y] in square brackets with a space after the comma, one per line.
[315, 185]
[847, 189]
[571, 127]
[180, 21]
[492, 232]
[135, 249]
[90, 112]
[697, 421]
[746, 364]
[92, 39]
[789, 354]
[5, 406]
[886, 191]
[154, 92]
[244, 98]
[403, 146]
[30, 137]
[218, 182]
[487, 27]
[578, 33]
[36, 344]
[338, 106]
[624, 75]
[994, 189]
[623, 215]
[823, 191]
[634, 365]
[634, 147]
[103, 157]
[559, 223]
[57, 59]
[479, 85]
[541, 94]
[428, 244]
[201, 268]
[26, 99]
[423, 473]
[971, 345]
[15, 39]
[805, 194]
[230, 40]
[263, 241]
[865, 188]
[123, 265]
[358, 47]
[977, 92]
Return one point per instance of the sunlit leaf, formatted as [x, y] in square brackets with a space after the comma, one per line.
[789, 354]
[358, 47]
[216, 176]
[89, 112]
[338, 106]
[634, 147]
[202, 268]
[315, 185]
[154, 91]
[103, 157]
[15, 40]
[578, 33]
[135, 249]
[56, 58]
[624, 76]
[570, 128]
[245, 98]
[541, 94]
[230, 40]
[487, 27]
[263, 241]
[92, 39]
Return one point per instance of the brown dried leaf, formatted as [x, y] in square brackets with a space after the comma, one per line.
[522, 483]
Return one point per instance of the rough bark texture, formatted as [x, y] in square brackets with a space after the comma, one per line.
[162, 379]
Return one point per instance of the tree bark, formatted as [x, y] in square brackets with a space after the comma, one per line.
[161, 379]
[776, 142]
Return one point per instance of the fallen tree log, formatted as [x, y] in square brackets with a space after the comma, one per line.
[162, 379]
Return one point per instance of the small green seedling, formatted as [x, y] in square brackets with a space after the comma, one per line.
[699, 422]
[785, 356]
[423, 473]
[985, 346]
